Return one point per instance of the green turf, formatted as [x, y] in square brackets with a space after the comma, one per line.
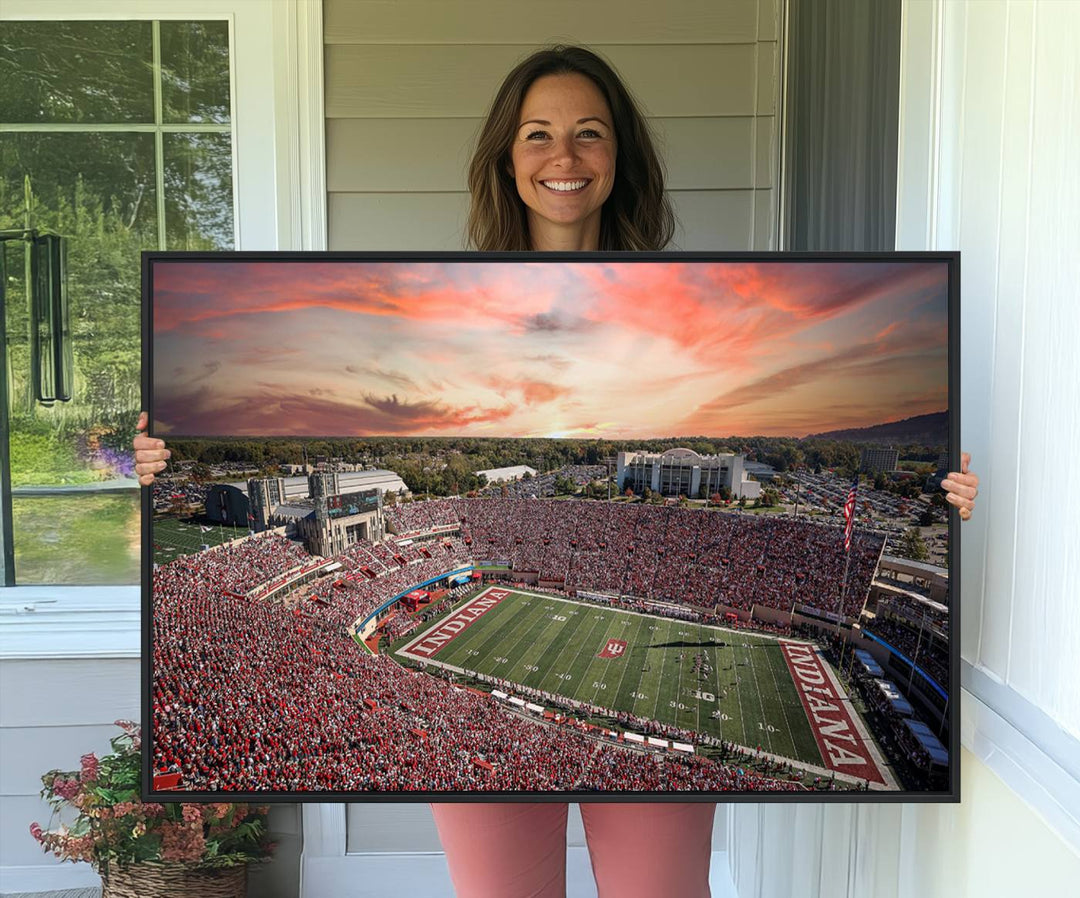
[175, 537]
[523, 640]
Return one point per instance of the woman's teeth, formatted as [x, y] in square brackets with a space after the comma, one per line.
[564, 186]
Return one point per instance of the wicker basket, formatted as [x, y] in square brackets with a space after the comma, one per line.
[174, 881]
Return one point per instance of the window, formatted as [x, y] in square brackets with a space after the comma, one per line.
[117, 136]
[277, 171]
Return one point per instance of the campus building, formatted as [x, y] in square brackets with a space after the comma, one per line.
[514, 472]
[876, 460]
[329, 511]
[683, 472]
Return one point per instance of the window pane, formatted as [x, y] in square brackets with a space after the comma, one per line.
[198, 192]
[195, 72]
[76, 72]
[80, 540]
[98, 191]
[81, 183]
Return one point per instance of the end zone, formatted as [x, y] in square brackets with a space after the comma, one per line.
[428, 644]
[841, 738]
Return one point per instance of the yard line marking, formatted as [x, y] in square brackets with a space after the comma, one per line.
[719, 689]
[764, 724]
[493, 638]
[569, 644]
[779, 698]
[509, 653]
[547, 636]
[660, 683]
[618, 688]
[738, 694]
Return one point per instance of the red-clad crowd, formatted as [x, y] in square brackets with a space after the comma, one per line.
[367, 582]
[253, 696]
[659, 552]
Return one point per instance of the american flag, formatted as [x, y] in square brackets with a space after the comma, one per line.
[849, 514]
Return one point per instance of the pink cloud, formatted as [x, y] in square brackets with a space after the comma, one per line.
[751, 335]
[532, 391]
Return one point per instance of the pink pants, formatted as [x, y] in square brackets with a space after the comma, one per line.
[519, 850]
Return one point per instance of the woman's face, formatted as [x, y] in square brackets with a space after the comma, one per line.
[563, 154]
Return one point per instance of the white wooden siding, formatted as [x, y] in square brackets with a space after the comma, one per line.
[523, 22]
[1008, 197]
[51, 713]
[408, 82]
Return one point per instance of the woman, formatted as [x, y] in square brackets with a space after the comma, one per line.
[565, 162]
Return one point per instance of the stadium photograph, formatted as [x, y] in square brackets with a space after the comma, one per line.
[436, 527]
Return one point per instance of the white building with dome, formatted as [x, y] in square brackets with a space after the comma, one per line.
[685, 472]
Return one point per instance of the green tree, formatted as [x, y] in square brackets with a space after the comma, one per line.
[912, 545]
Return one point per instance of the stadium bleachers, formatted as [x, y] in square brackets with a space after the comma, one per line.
[256, 696]
[661, 553]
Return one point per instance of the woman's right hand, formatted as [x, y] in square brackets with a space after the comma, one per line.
[150, 453]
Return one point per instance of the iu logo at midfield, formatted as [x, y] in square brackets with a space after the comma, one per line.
[613, 649]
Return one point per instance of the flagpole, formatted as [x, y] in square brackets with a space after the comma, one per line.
[849, 530]
[840, 610]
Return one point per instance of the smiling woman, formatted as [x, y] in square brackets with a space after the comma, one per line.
[560, 118]
[563, 160]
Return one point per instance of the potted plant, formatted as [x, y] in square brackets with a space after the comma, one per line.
[168, 850]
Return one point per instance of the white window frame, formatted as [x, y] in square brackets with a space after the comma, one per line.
[280, 204]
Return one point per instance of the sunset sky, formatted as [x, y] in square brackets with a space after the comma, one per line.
[616, 350]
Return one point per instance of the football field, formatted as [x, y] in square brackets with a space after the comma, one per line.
[726, 683]
[175, 537]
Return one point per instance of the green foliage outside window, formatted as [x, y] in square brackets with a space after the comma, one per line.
[99, 182]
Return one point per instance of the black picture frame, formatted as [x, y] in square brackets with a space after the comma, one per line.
[949, 793]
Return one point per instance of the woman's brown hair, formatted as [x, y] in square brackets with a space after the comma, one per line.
[637, 214]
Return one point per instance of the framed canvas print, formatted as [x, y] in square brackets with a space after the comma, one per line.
[458, 526]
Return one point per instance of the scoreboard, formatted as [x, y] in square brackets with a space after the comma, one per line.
[352, 503]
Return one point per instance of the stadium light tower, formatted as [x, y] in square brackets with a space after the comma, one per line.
[795, 469]
[608, 462]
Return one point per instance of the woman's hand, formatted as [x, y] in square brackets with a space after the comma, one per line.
[962, 488]
[150, 453]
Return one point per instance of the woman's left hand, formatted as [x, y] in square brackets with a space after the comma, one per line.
[962, 487]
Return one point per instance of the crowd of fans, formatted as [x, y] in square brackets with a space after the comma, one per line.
[246, 565]
[376, 573]
[257, 696]
[916, 611]
[677, 555]
[171, 489]
[928, 651]
[400, 625]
